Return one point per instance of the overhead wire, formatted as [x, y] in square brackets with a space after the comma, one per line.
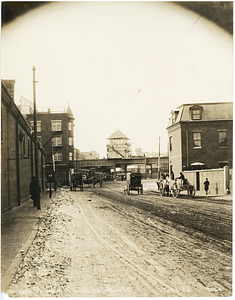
[169, 54]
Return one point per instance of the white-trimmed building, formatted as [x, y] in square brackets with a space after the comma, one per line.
[118, 145]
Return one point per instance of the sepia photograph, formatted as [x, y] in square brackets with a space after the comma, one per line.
[116, 149]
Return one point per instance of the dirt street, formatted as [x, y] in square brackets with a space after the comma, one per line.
[101, 242]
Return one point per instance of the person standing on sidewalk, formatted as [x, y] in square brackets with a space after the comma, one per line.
[206, 185]
[33, 190]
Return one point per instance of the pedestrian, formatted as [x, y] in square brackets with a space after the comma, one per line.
[33, 191]
[206, 185]
[172, 175]
[55, 186]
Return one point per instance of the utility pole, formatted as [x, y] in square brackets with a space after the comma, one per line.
[159, 160]
[36, 142]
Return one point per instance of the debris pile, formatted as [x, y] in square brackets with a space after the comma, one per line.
[42, 270]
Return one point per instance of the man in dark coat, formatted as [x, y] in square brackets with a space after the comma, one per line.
[182, 178]
[206, 185]
[33, 191]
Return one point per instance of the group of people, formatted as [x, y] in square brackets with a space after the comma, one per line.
[206, 182]
[184, 180]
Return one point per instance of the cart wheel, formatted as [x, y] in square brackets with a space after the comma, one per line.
[191, 192]
[175, 191]
[161, 189]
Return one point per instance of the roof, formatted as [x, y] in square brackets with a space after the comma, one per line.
[117, 135]
[210, 112]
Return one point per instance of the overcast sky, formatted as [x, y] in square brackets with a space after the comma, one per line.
[120, 65]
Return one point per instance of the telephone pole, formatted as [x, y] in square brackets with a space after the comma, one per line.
[159, 160]
[36, 141]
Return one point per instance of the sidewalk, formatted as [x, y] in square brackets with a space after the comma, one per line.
[150, 185]
[18, 230]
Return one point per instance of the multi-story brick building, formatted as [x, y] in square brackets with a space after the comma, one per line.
[201, 133]
[56, 131]
[17, 152]
[118, 146]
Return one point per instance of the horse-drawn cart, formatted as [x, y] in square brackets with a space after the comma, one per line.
[76, 181]
[179, 186]
[134, 183]
[174, 187]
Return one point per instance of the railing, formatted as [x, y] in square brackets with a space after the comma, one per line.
[51, 109]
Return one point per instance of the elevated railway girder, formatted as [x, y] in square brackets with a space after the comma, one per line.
[113, 163]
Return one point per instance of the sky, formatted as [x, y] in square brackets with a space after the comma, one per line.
[118, 65]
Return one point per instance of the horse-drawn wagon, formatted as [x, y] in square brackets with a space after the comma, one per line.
[76, 181]
[174, 187]
[134, 183]
[179, 186]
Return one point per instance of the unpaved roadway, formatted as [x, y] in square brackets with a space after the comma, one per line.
[101, 242]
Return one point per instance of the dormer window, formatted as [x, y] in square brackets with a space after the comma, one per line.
[196, 112]
[174, 115]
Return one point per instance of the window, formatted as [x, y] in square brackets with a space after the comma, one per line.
[70, 155]
[223, 163]
[28, 148]
[223, 138]
[56, 125]
[197, 139]
[174, 114]
[70, 125]
[23, 148]
[196, 114]
[58, 156]
[170, 143]
[39, 127]
[57, 141]
[70, 141]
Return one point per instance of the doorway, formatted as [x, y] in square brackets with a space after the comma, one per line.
[198, 181]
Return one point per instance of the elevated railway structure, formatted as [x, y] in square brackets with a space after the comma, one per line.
[113, 163]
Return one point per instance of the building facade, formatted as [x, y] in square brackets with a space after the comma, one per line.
[201, 136]
[55, 129]
[17, 152]
[118, 146]
[90, 155]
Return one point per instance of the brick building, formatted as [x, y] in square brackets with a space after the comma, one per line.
[55, 127]
[17, 152]
[201, 133]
